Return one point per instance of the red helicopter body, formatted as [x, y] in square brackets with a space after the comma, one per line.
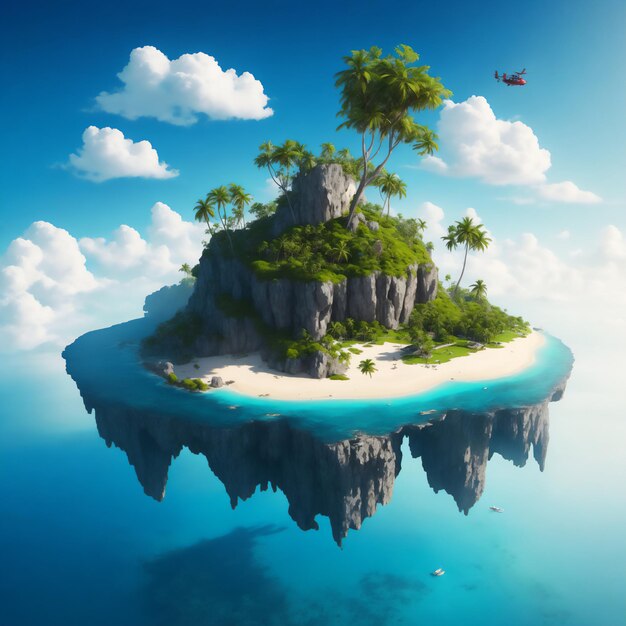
[514, 79]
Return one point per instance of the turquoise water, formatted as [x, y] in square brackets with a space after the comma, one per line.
[115, 377]
[81, 543]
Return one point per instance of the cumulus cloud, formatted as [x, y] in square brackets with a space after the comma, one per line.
[107, 154]
[480, 145]
[567, 191]
[171, 242]
[475, 143]
[433, 215]
[54, 287]
[179, 91]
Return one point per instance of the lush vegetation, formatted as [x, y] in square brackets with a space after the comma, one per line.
[328, 251]
[467, 317]
[379, 95]
[190, 384]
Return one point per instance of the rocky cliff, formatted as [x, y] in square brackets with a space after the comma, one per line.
[294, 305]
[344, 480]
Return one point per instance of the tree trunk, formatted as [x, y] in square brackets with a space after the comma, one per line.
[458, 282]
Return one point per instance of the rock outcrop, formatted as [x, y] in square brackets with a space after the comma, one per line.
[320, 195]
[291, 305]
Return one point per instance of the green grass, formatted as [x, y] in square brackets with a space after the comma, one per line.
[339, 377]
[508, 335]
[441, 355]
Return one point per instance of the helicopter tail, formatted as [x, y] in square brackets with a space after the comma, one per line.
[496, 75]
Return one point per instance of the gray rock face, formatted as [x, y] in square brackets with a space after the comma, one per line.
[426, 283]
[322, 194]
[293, 306]
[344, 480]
[161, 368]
[216, 381]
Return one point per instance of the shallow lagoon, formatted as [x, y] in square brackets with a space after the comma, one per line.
[83, 544]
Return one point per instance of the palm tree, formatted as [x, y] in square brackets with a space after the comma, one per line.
[421, 225]
[479, 290]
[186, 269]
[220, 197]
[204, 211]
[285, 157]
[390, 185]
[240, 199]
[468, 234]
[328, 151]
[341, 252]
[367, 367]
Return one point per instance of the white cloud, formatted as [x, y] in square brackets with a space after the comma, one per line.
[475, 143]
[433, 215]
[478, 144]
[567, 191]
[564, 234]
[107, 154]
[178, 91]
[171, 242]
[54, 287]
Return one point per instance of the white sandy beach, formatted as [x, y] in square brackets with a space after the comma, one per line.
[394, 378]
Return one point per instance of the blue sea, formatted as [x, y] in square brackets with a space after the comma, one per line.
[164, 507]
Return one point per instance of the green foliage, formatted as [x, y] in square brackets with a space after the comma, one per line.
[172, 379]
[194, 384]
[477, 321]
[328, 251]
[378, 97]
[367, 366]
[339, 377]
[260, 210]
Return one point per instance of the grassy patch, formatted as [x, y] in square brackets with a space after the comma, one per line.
[339, 377]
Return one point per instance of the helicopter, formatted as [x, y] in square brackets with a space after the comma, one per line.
[513, 79]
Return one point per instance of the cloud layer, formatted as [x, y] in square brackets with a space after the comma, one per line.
[178, 91]
[477, 144]
[107, 154]
[54, 287]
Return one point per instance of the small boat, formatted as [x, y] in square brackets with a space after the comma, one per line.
[496, 509]
[429, 412]
[272, 414]
[232, 407]
[438, 572]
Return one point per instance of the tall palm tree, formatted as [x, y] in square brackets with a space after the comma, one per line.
[469, 235]
[203, 212]
[479, 290]
[421, 225]
[367, 366]
[220, 197]
[391, 185]
[240, 199]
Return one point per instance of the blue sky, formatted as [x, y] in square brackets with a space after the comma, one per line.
[60, 57]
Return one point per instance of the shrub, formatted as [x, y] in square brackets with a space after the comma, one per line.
[172, 379]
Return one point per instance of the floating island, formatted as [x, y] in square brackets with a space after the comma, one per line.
[308, 343]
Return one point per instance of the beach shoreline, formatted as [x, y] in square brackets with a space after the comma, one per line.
[251, 376]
